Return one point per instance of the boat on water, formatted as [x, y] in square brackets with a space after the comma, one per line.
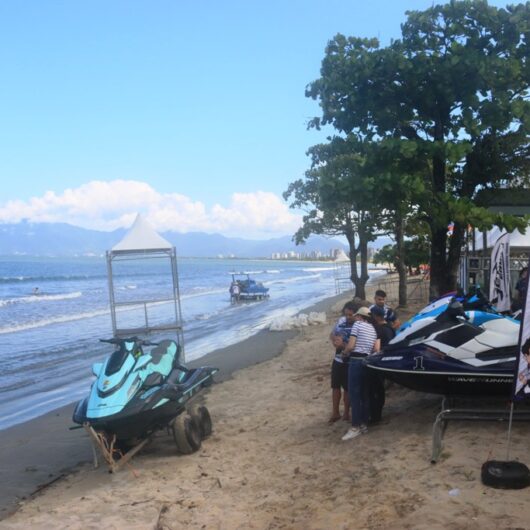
[446, 354]
[243, 287]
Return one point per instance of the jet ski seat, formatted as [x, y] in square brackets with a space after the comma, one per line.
[499, 333]
[163, 359]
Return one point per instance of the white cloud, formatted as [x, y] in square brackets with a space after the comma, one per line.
[109, 205]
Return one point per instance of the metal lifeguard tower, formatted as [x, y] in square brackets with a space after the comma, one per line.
[143, 314]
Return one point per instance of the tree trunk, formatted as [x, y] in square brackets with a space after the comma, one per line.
[453, 258]
[363, 249]
[438, 231]
[400, 262]
[438, 262]
[358, 281]
[354, 276]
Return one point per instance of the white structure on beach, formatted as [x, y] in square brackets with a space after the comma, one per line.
[341, 256]
[143, 243]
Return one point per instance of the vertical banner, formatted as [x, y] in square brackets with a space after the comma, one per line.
[499, 294]
[462, 273]
[521, 386]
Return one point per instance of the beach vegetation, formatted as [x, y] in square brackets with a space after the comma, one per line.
[431, 120]
[416, 253]
[400, 188]
[339, 197]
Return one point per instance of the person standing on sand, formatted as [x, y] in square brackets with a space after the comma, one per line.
[363, 342]
[376, 382]
[390, 315]
[339, 337]
[521, 286]
[384, 329]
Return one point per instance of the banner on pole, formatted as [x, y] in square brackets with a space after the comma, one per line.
[463, 274]
[499, 294]
[521, 386]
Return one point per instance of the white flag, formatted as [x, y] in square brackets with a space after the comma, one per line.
[500, 274]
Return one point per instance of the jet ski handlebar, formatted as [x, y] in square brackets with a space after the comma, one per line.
[137, 340]
[454, 310]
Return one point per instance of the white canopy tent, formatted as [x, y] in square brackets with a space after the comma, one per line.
[142, 242]
[517, 240]
[475, 263]
[141, 237]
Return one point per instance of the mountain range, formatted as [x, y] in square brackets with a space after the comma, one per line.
[61, 239]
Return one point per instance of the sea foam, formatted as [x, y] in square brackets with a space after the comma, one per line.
[284, 322]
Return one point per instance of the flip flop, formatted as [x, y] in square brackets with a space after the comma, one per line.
[333, 419]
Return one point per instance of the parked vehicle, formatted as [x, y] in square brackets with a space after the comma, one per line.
[137, 393]
[446, 354]
[249, 289]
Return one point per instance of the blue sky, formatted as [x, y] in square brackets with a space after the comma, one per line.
[111, 107]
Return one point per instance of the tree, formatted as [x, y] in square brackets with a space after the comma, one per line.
[400, 188]
[338, 197]
[384, 255]
[453, 91]
[417, 253]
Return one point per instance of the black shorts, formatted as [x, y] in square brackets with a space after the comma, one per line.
[339, 375]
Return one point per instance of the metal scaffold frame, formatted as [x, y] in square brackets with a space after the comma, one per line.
[175, 323]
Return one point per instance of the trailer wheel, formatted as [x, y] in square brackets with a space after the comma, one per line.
[505, 475]
[186, 433]
[203, 418]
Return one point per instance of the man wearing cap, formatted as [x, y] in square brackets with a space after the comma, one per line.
[363, 342]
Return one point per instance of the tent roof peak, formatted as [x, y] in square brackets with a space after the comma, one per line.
[142, 236]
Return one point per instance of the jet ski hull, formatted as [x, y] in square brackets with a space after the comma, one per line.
[149, 410]
[132, 423]
[432, 372]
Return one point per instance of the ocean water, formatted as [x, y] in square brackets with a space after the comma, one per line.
[50, 340]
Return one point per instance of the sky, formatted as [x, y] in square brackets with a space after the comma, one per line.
[190, 111]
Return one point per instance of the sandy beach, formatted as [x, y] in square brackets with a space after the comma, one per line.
[274, 462]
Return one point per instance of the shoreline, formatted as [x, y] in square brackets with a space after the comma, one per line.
[43, 450]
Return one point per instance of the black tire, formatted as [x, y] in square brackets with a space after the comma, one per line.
[505, 475]
[186, 433]
[203, 418]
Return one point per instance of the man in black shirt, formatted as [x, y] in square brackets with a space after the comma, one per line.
[385, 332]
[389, 313]
[384, 329]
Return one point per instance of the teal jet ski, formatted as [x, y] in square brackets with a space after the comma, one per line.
[136, 393]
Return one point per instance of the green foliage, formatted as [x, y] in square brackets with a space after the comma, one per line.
[337, 194]
[432, 119]
[416, 253]
[386, 254]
